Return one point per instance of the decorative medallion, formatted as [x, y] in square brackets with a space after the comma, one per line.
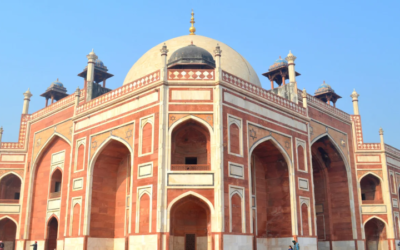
[287, 145]
[343, 143]
[128, 134]
[208, 118]
[253, 134]
[172, 118]
[38, 142]
[311, 130]
[94, 144]
[70, 130]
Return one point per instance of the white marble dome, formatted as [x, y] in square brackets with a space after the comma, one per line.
[231, 61]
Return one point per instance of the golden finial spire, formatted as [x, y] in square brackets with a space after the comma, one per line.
[192, 29]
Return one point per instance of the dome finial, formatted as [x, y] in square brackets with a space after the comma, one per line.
[192, 29]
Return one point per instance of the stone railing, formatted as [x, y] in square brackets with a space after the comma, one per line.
[359, 136]
[190, 167]
[392, 150]
[121, 91]
[9, 201]
[191, 74]
[25, 118]
[54, 195]
[311, 100]
[227, 77]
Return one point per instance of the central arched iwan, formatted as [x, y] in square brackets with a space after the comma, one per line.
[271, 188]
[110, 185]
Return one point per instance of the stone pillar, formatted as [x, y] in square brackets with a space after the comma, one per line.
[304, 95]
[355, 96]
[218, 71]
[77, 96]
[90, 74]
[164, 70]
[381, 137]
[27, 99]
[1, 134]
[292, 76]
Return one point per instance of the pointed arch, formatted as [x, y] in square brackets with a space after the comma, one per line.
[370, 173]
[349, 177]
[187, 194]
[33, 169]
[7, 177]
[15, 222]
[291, 179]
[186, 118]
[11, 173]
[89, 182]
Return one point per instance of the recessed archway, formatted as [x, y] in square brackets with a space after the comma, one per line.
[190, 224]
[271, 191]
[8, 231]
[331, 190]
[109, 189]
[52, 234]
[375, 234]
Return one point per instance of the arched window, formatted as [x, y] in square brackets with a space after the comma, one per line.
[80, 158]
[147, 138]
[371, 192]
[10, 188]
[236, 203]
[234, 139]
[55, 184]
[304, 220]
[144, 214]
[393, 186]
[190, 147]
[301, 158]
[75, 219]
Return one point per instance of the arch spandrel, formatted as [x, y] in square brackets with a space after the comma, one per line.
[172, 118]
[316, 129]
[5, 172]
[256, 133]
[63, 130]
[341, 140]
[125, 133]
[362, 173]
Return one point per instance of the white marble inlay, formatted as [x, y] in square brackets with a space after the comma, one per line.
[393, 161]
[141, 242]
[236, 170]
[237, 242]
[371, 209]
[12, 158]
[57, 157]
[191, 95]
[132, 105]
[303, 184]
[368, 158]
[145, 170]
[9, 208]
[77, 184]
[264, 111]
[190, 179]
[54, 204]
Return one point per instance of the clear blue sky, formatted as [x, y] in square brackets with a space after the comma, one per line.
[349, 44]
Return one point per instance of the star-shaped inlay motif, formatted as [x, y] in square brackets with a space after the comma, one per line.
[287, 144]
[172, 118]
[94, 144]
[253, 134]
[128, 134]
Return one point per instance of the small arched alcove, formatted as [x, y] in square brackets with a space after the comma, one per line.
[190, 146]
[55, 184]
[10, 188]
[371, 190]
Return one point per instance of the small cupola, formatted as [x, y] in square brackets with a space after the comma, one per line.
[278, 72]
[56, 91]
[191, 57]
[326, 94]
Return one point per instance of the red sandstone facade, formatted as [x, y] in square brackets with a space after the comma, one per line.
[209, 162]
